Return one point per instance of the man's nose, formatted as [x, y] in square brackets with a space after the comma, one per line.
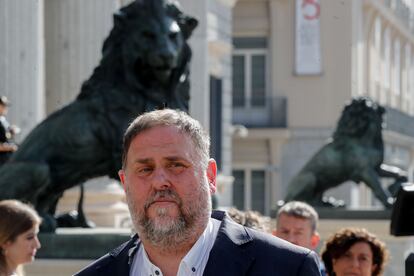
[160, 179]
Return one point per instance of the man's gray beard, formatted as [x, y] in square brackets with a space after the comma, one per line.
[172, 232]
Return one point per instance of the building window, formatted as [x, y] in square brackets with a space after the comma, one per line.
[406, 78]
[249, 190]
[238, 189]
[377, 45]
[406, 70]
[387, 58]
[397, 68]
[249, 72]
[239, 95]
[258, 191]
[411, 84]
[216, 120]
[258, 73]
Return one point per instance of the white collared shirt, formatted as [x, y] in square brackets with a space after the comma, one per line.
[193, 263]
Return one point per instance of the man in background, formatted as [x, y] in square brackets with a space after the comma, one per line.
[7, 132]
[296, 222]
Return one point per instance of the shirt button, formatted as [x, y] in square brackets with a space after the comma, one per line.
[193, 269]
[157, 272]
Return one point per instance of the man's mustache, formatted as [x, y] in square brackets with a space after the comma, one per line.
[164, 195]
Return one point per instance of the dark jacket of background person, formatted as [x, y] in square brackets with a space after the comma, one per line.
[237, 251]
[4, 138]
[7, 132]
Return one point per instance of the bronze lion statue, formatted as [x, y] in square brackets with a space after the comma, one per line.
[355, 152]
[144, 65]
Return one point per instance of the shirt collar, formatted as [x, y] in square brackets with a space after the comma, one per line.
[148, 268]
[192, 262]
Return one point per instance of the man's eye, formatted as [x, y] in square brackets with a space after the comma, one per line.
[177, 166]
[144, 170]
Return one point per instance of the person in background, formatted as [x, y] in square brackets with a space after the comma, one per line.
[297, 222]
[19, 225]
[251, 219]
[7, 132]
[354, 251]
[169, 178]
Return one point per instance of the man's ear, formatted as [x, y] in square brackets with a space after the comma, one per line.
[212, 175]
[121, 174]
[315, 239]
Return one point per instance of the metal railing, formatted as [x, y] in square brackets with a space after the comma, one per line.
[260, 111]
[402, 12]
[399, 121]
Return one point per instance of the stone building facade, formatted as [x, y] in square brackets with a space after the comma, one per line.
[364, 48]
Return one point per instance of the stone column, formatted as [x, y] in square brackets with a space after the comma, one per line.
[276, 143]
[359, 59]
[74, 32]
[199, 73]
[22, 61]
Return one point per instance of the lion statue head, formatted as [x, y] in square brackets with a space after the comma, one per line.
[146, 50]
[359, 116]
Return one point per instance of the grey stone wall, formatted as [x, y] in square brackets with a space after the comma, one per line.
[21, 61]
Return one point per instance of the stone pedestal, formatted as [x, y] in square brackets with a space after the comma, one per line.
[55, 267]
[353, 214]
[80, 243]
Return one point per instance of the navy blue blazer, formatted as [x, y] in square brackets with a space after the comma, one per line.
[237, 251]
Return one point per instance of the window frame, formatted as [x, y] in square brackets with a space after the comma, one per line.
[248, 188]
[248, 54]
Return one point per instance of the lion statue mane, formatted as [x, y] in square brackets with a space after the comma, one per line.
[355, 153]
[144, 66]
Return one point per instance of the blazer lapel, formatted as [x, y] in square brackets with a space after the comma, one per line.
[228, 255]
[122, 258]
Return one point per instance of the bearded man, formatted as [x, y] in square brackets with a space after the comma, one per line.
[169, 178]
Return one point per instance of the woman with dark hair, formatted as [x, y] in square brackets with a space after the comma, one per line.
[354, 251]
[19, 225]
